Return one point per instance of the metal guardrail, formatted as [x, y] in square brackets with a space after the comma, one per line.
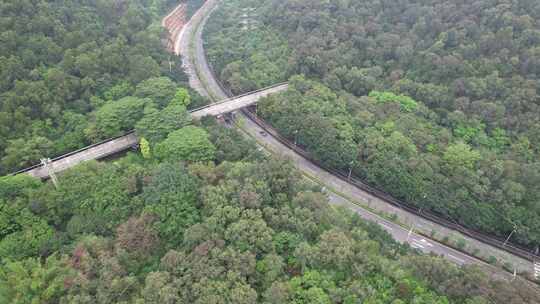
[517, 250]
[495, 242]
[525, 253]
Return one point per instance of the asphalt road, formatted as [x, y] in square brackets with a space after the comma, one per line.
[315, 173]
[197, 59]
[201, 74]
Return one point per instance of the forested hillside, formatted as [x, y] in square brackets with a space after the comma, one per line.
[198, 214]
[62, 60]
[435, 102]
[215, 222]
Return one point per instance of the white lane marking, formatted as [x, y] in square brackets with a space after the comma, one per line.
[536, 270]
[455, 258]
[386, 226]
[417, 244]
[426, 242]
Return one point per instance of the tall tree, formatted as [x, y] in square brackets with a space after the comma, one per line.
[189, 144]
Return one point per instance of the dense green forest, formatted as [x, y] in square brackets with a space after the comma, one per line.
[64, 63]
[199, 214]
[214, 222]
[435, 102]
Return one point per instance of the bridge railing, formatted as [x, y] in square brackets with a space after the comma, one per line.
[236, 97]
[60, 157]
[75, 152]
[495, 242]
[525, 253]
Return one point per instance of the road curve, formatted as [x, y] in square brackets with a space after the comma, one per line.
[182, 46]
[348, 195]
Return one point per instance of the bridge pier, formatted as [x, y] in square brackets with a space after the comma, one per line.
[48, 165]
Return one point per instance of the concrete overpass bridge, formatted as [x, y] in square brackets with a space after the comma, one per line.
[121, 143]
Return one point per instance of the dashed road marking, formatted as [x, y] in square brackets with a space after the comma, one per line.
[423, 241]
[455, 258]
[536, 270]
[386, 226]
[417, 244]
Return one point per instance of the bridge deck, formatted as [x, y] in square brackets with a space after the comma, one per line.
[93, 152]
[239, 102]
[129, 140]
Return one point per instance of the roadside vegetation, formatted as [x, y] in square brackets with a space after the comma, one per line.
[198, 214]
[64, 64]
[204, 217]
[435, 103]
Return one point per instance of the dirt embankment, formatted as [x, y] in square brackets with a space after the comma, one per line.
[174, 23]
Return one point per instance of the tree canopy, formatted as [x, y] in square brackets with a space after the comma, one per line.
[200, 215]
[67, 66]
[189, 144]
[434, 102]
[245, 229]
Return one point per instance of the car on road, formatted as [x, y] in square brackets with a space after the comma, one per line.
[263, 133]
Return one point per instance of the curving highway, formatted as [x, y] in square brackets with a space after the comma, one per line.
[340, 192]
